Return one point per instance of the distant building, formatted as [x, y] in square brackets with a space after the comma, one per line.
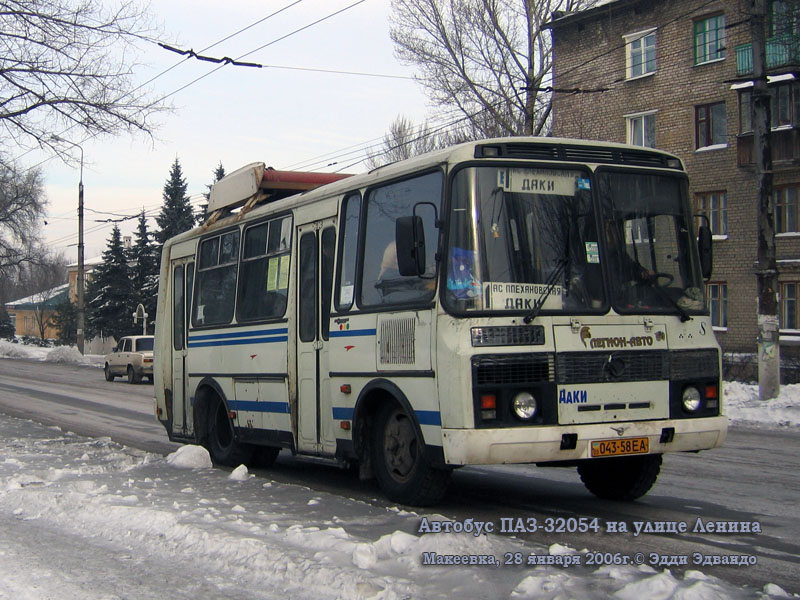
[673, 75]
[29, 314]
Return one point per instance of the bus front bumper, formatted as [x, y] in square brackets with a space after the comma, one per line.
[554, 443]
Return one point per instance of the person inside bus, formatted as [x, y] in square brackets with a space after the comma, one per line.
[389, 278]
[627, 268]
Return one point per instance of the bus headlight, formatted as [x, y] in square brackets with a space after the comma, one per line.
[691, 399]
[524, 406]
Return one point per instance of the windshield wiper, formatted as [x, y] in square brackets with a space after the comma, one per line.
[550, 283]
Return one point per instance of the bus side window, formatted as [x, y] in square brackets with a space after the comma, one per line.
[264, 283]
[381, 282]
[348, 248]
[216, 279]
[178, 304]
[328, 245]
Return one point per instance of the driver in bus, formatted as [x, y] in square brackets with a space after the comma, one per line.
[628, 268]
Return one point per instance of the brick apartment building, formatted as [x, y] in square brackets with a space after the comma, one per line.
[673, 76]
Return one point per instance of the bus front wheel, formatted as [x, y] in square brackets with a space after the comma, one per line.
[222, 444]
[403, 472]
[621, 478]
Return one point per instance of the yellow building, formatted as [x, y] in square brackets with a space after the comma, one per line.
[31, 316]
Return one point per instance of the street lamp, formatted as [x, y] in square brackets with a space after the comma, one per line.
[81, 274]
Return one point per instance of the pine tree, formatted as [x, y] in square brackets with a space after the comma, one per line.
[219, 173]
[143, 260]
[176, 214]
[7, 330]
[65, 321]
[110, 293]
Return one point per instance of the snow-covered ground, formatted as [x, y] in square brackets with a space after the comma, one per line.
[88, 518]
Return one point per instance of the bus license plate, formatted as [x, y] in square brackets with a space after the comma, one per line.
[638, 445]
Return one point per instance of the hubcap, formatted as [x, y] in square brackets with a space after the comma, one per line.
[400, 446]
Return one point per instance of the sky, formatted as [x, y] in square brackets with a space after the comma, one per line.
[90, 519]
[286, 118]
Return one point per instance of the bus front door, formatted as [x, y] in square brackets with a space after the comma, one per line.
[314, 283]
[182, 278]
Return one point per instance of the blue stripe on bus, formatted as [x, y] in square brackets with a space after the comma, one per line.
[238, 334]
[343, 414]
[425, 417]
[264, 407]
[429, 417]
[263, 340]
[353, 332]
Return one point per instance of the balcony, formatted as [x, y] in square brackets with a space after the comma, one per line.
[782, 50]
[785, 145]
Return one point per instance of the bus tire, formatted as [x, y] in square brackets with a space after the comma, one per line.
[264, 456]
[622, 478]
[221, 440]
[398, 457]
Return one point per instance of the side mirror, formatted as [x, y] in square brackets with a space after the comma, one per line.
[705, 251]
[410, 244]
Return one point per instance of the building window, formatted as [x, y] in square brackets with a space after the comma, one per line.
[709, 39]
[642, 129]
[710, 125]
[714, 205]
[784, 107]
[745, 112]
[784, 18]
[641, 53]
[718, 303]
[788, 305]
[786, 213]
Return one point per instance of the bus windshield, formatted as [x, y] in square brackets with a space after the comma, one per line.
[652, 256]
[526, 239]
[521, 239]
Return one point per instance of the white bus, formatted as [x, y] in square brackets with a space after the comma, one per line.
[520, 300]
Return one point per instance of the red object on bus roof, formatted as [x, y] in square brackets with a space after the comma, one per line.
[297, 180]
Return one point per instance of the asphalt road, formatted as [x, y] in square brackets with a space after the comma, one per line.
[753, 478]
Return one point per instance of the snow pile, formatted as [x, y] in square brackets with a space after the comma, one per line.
[64, 354]
[240, 473]
[9, 350]
[743, 406]
[105, 521]
[190, 457]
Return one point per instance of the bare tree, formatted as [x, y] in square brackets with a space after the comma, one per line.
[22, 204]
[41, 281]
[404, 140]
[487, 61]
[66, 68]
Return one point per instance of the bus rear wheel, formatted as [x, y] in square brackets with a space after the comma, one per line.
[621, 478]
[222, 444]
[403, 472]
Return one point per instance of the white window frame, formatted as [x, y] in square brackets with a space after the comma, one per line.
[713, 203]
[721, 303]
[629, 120]
[629, 53]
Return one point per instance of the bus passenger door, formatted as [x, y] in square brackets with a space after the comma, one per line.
[182, 280]
[315, 280]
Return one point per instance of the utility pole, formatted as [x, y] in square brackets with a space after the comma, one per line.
[80, 280]
[769, 357]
